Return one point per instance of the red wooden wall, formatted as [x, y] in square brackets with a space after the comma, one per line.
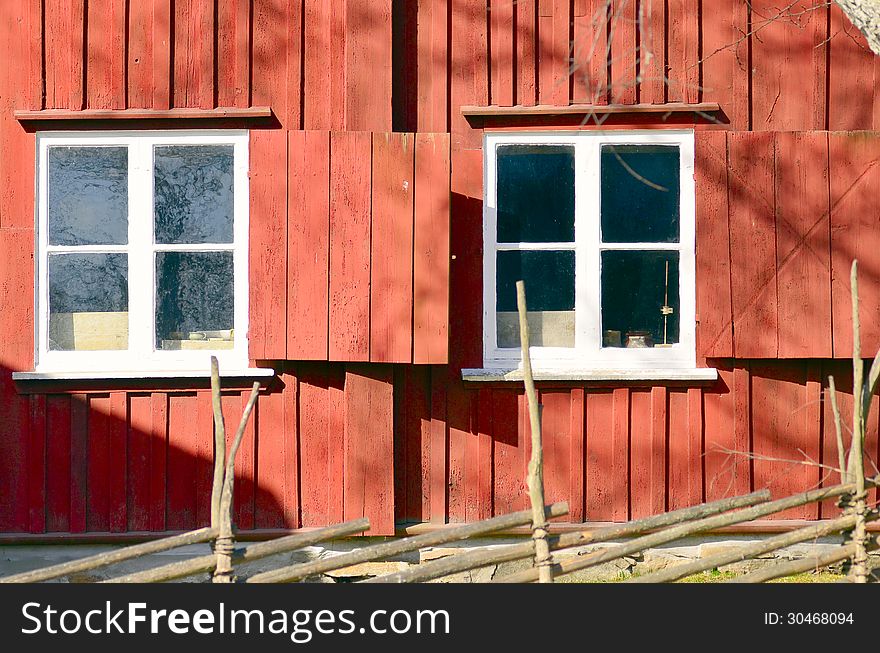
[354, 230]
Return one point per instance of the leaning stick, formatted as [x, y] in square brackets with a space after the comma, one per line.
[678, 532]
[783, 569]
[225, 544]
[811, 532]
[483, 557]
[250, 553]
[396, 547]
[535, 478]
[112, 557]
[219, 444]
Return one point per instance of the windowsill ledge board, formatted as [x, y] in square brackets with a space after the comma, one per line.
[671, 114]
[62, 118]
[495, 375]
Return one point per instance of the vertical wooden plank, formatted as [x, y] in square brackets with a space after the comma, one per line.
[803, 266]
[98, 478]
[204, 428]
[657, 476]
[576, 457]
[683, 70]
[432, 66]
[367, 40]
[469, 71]
[350, 183]
[158, 458]
[79, 443]
[324, 65]
[623, 49]
[725, 66]
[272, 457]
[713, 283]
[501, 41]
[525, 47]
[719, 437]
[308, 246]
[233, 53]
[553, 51]
[290, 500]
[106, 55]
[369, 424]
[652, 51]
[139, 462]
[245, 475]
[431, 250]
[413, 451]
[462, 472]
[620, 444]
[37, 465]
[437, 454]
[508, 482]
[556, 441]
[813, 445]
[336, 454]
[679, 450]
[118, 462]
[753, 244]
[64, 29]
[640, 453]
[590, 53]
[271, 40]
[742, 430]
[58, 475]
[162, 38]
[854, 158]
[140, 54]
[841, 370]
[852, 90]
[194, 54]
[788, 59]
[696, 486]
[599, 457]
[391, 247]
[316, 440]
[183, 452]
[268, 245]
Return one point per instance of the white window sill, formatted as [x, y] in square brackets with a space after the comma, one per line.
[253, 372]
[496, 375]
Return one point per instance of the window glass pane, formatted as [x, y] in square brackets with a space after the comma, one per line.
[88, 195]
[194, 300]
[88, 302]
[549, 282]
[193, 193]
[635, 291]
[535, 194]
[640, 193]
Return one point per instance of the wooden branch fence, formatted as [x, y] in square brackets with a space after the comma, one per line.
[639, 535]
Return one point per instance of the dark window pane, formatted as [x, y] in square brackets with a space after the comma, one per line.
[88, 302]
[640, 193]
[535, 194]
[193, 193]
[88, 195]
[194, 300]
[549, 282]
[634, 293]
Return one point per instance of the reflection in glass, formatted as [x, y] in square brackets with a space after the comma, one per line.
[535, 194]
[194, 300]
[88, 302]
[193, 189]
[549, 283]
[88, 195]
[640, 193]
[640, 299]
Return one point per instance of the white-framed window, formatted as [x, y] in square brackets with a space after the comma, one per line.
[141, 250]
[600, 227]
